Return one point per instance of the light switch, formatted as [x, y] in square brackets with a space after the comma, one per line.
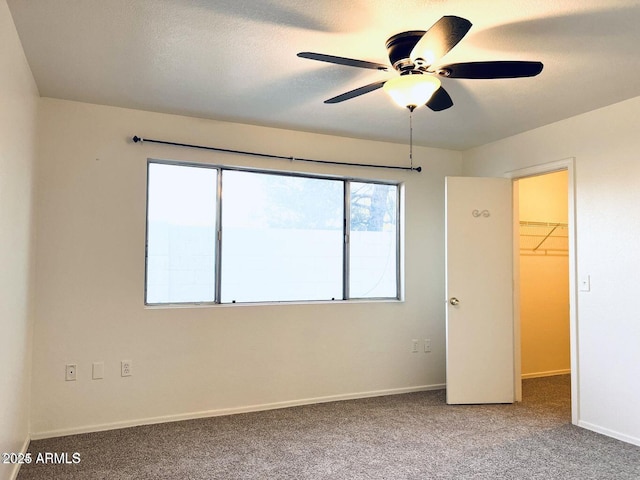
[585, 283]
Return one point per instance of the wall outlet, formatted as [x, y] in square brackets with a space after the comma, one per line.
[70, 372]
[427, 345]
[414, 345]
[125, 368]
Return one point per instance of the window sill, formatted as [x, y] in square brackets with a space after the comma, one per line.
[164, 306]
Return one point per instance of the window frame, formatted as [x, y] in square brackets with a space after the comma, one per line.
[219, 236]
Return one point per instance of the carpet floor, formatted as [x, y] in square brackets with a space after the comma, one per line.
[410, 436]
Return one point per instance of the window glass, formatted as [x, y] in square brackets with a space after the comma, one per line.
[282, 238]
[373, 241]
[181, 225]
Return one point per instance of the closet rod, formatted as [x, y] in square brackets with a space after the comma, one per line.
[525, 223]
[137, 139]
[545, 238]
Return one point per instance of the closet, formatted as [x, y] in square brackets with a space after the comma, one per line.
[544, 274]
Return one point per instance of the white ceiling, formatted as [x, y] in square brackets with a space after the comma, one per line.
[236, 60]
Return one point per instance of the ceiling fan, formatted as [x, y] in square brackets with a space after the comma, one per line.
[413, 55]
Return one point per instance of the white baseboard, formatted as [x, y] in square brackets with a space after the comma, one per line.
[230, 411]
[610, 433]
[16, 468]
[550, 373]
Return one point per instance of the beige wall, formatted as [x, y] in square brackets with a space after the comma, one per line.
[544, 281]
[605, 144]
[207, 360]
[18, 108]
[544, 198]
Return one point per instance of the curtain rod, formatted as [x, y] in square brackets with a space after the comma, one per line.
[137, 139]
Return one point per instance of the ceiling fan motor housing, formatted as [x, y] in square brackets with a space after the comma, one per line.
[399, 48]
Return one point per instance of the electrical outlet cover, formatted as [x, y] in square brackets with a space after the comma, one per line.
[70, 372]
[98, 370]
[125, 368]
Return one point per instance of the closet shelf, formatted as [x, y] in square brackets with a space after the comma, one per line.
[544, 238]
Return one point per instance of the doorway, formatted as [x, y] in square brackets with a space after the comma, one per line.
[565, 253]
[544, 274]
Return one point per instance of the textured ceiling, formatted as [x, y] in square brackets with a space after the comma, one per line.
[236, 60]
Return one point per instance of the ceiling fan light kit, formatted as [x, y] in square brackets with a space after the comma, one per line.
[411, 91]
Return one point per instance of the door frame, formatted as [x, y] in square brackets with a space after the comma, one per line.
[567, 164]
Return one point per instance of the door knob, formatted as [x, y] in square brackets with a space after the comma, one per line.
[454, 301]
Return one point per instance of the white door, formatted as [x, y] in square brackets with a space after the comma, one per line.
[479, 290]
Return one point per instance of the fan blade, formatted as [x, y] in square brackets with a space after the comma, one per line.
[356, 93]
[496, 69]
[440, 100]
[321, 57]
[439, 39]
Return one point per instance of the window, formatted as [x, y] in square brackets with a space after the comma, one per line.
[181, 232]
[373, 268]
[221, 235]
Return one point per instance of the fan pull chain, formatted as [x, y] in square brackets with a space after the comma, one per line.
[411, 138]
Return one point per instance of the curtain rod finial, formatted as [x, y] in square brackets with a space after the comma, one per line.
[137, 139]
